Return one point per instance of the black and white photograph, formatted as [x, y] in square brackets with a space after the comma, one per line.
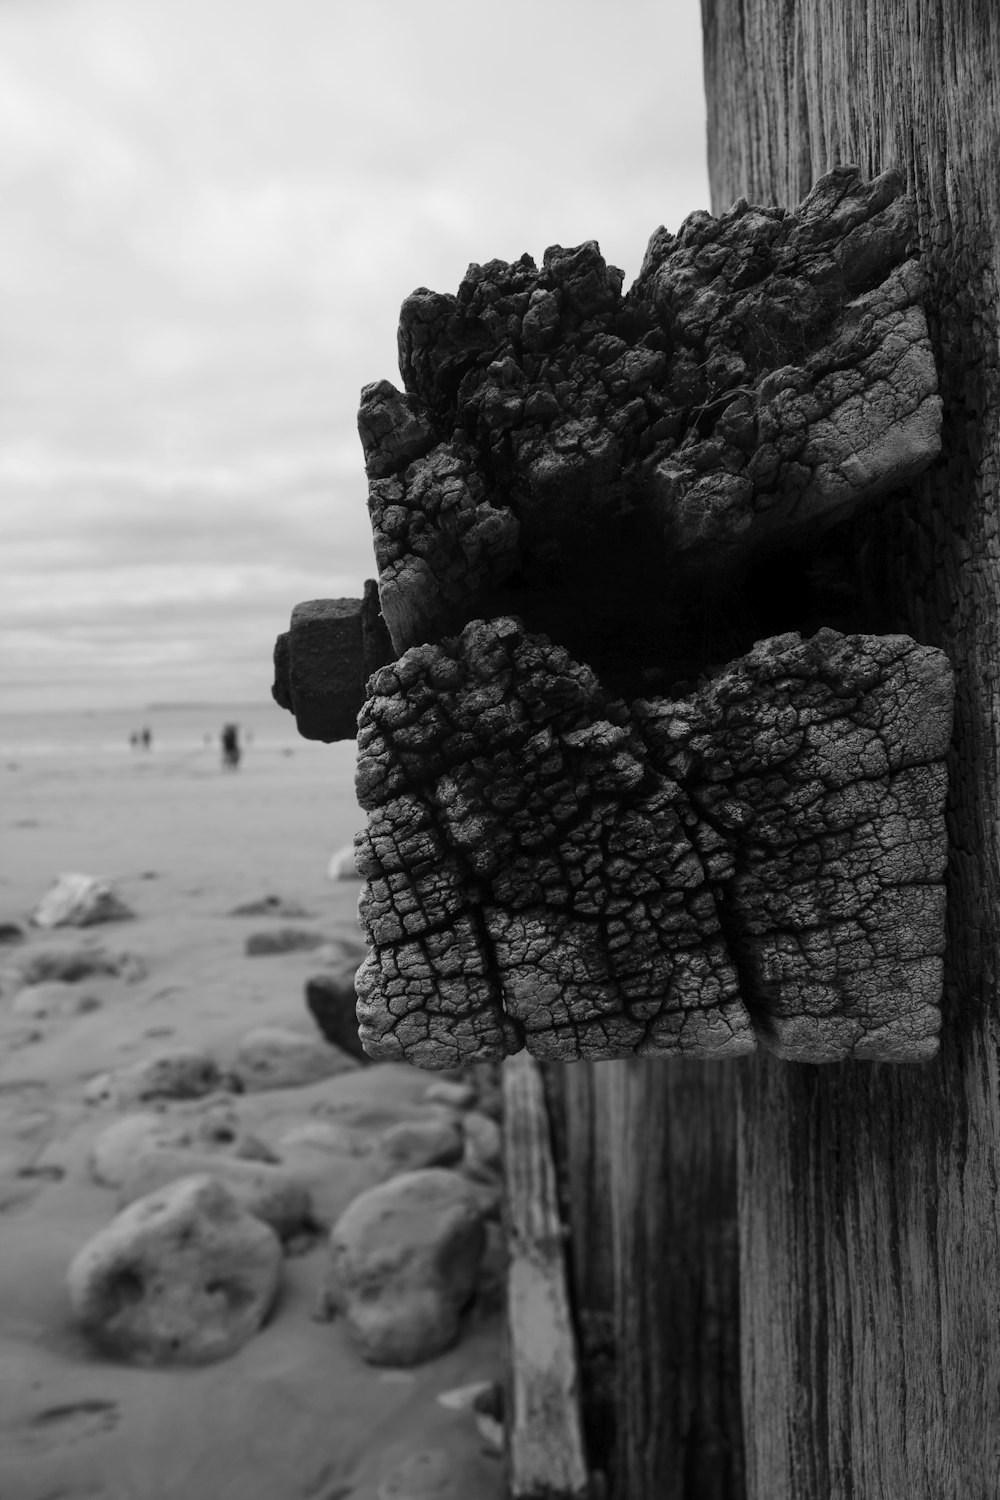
[499, 750]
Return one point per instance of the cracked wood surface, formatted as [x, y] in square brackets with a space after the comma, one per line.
[868, 1202]
[767, 372]
[554, 858]
[759, 861]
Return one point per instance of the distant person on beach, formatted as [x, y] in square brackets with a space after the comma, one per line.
[230, 746]
[147, 739]
[133, 739]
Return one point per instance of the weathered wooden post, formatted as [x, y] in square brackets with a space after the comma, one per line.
[631, 794]
[869, 1214]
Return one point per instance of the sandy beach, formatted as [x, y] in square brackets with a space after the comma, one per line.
[296, 1412]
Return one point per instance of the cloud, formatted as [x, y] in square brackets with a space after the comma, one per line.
[212, 211]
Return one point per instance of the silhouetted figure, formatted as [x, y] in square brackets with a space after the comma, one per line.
[147, 739]
[133, 739]
[230, 746]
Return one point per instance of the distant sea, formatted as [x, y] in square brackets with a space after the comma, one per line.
[183, 727]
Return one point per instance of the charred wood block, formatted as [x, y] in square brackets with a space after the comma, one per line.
[757, 862]
[322, 663]
[767, 373]
[582, 499]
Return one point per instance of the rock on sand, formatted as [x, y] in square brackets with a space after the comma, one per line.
[332, 1003]
[267, 1192]
[183, 1276]
[178, 1073]
[456, 1094]
[79, 901]
[413, 1144]
[117, 1148]
[54, 998]
[273, 1057]
[403, 1263]
[483, 1143]
[270, 906]
[82, 961]
[282, 940]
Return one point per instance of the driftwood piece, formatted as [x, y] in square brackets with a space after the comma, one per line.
[322, 663]
[767, 373]
[553, 869]
[546, 1459]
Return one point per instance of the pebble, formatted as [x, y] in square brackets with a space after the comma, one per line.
[81, 962]
[117, 1148]
[282, 940]
[404, 1257]
[270, 906]
[274, 1057]
[266, 1191]
[421, 1143]
[54, 997]
[332, 1003]
[183, 1276]
[180, 1073]
[77, 900]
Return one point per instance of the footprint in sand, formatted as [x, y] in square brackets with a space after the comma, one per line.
[59, 1426]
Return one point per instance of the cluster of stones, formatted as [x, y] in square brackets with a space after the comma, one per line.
[191, 1265]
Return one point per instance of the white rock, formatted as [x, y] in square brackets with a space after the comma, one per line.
[183, 1276]
[267, 1192]
[273, 1057]
[342, 865]
[55, 998]
[78, 901]
[403, 1263]
[177, 1073]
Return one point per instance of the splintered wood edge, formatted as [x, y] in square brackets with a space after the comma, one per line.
[545, 1450]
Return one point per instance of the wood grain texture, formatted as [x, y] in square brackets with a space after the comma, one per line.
[670, 1139]
[870, 1219]
[579, 1120]
[545, 1452]
[649, 1168]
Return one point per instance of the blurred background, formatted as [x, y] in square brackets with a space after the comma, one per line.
[210, 212]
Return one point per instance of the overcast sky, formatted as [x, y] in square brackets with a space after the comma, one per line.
[210, 212]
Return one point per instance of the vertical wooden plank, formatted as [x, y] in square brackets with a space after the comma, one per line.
[869, 1206]
[651, 1150]
[580, 1128]
[545, 1451]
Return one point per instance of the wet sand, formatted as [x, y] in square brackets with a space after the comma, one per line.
[296, 1412]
